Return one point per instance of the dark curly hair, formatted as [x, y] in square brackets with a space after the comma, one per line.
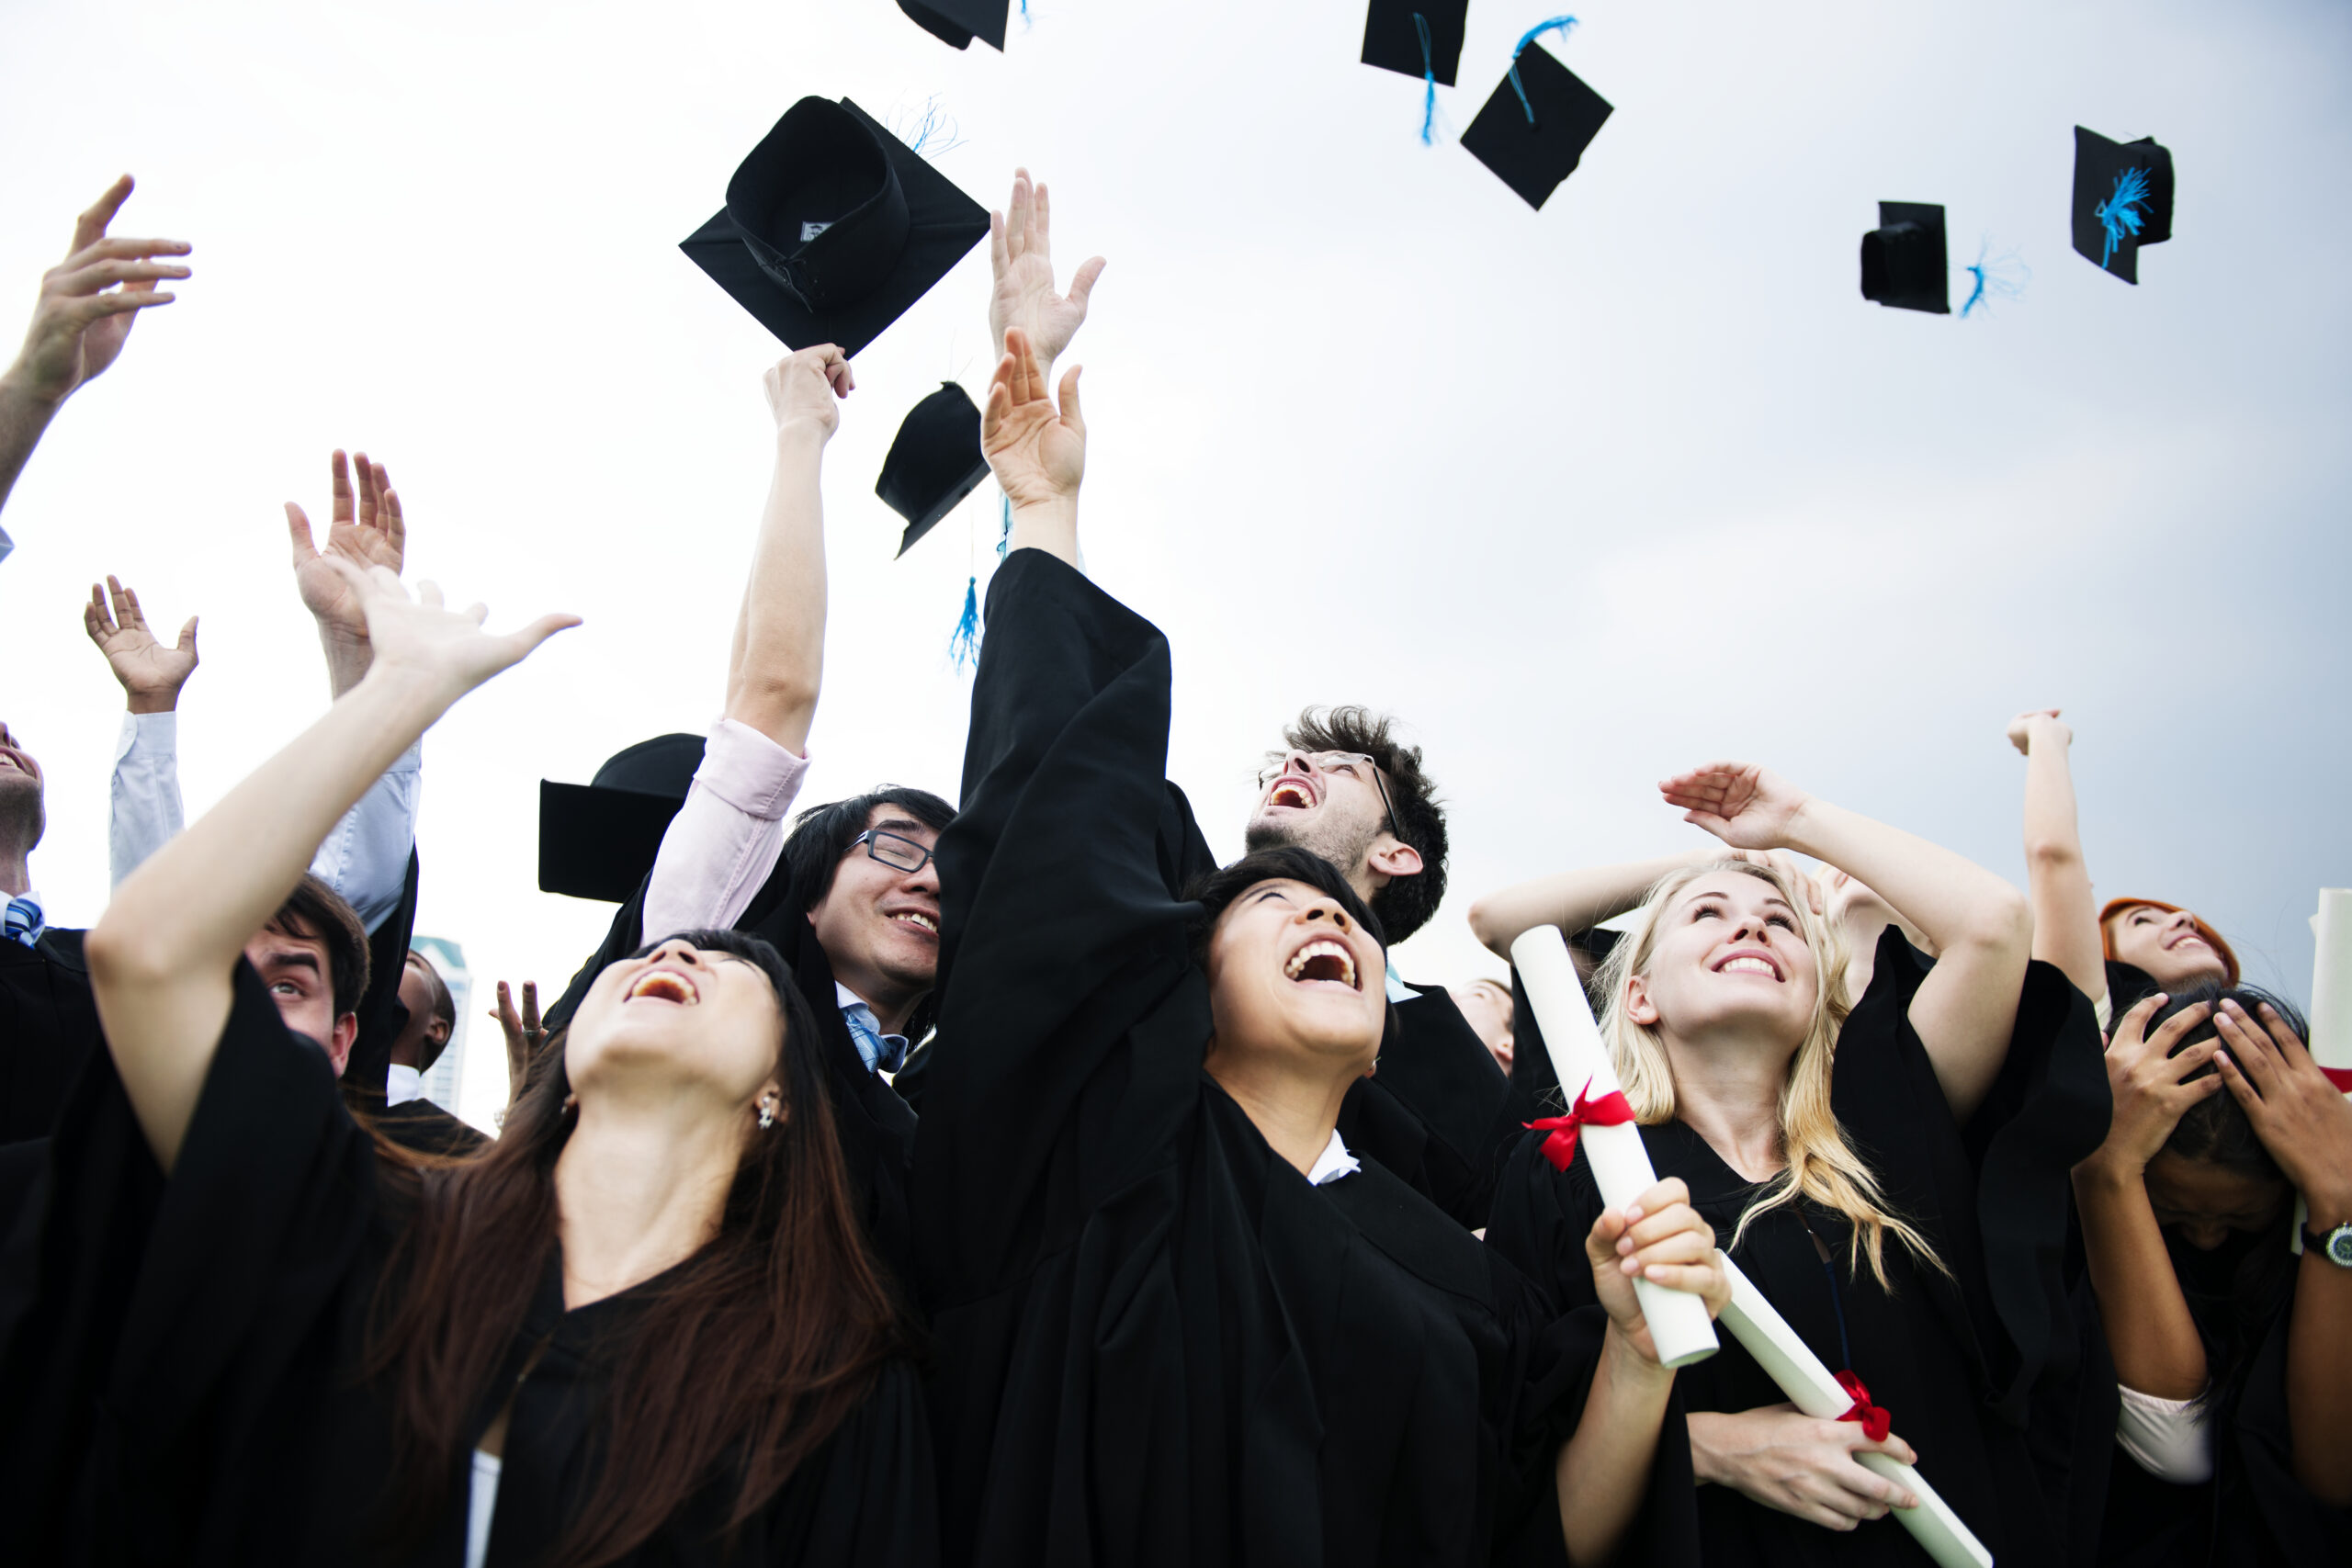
[1216, 892]
[1406, 904]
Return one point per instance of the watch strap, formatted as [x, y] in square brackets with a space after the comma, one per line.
[2334, 1245]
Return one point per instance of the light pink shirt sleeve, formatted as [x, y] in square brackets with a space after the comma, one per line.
[725, 839]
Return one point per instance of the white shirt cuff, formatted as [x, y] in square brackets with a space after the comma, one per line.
[728, 837]
[2166, 1437]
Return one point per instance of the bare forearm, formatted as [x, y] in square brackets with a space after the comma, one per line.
[24, 415]
[2066, 916]
[1951, 897]
[348, 659]
[776, 667]
[1603, 1471]
[2319, 1365]
[1052, 528]
[2149, 1330]
[1572, 900]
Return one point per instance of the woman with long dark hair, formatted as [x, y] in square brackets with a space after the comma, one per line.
[2233, 1354]
[644, 1327]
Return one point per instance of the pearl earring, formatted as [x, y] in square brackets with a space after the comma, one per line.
[767, 1116]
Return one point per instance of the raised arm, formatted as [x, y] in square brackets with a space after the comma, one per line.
[1037, 451]
[88, 305]
[162, 956]
[1966, 1008]
[1575, 901]
[1021, 256]
[2065, 915]
[143, 808]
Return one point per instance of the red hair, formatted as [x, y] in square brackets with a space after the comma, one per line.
[2212, 938]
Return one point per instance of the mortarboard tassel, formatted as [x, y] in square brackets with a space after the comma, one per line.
[1998, 278]
[1562, 23]
[964, 647]
[1004, 534]
[2120, 214]
[933, 132]
[1429, 77]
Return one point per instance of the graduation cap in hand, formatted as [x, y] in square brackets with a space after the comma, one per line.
[599, 839]
[1534, 130]
[1903, 259]
[833, 227]
[958, 22]
[934, 461]
[1416, 38]
[2123, 200]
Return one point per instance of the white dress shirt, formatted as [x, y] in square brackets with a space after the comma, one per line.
[401, 1084]
[725, 839]
[2166, 1437]
[1333, 1163]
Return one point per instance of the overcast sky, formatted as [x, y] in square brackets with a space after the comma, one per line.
[1587, 495]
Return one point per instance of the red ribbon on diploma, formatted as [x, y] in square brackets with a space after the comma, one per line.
[2340, 1077]
[1609, 1110]
[1876, 1421]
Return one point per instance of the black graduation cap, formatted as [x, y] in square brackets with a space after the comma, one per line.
[598, 840]
[934, 461]
[2123, 200]
[1392, 38]
[1904, 263]
[958, 22]
[833, 227]
[1534, 130]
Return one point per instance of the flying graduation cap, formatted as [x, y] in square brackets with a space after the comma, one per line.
[1418, 38]
[1904, 263]
[834, 228]
[934, 461]
[2123, 200]
[598, 840]
[1534, 130]
[958, 22]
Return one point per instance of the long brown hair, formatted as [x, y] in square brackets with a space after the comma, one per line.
[753, 1351]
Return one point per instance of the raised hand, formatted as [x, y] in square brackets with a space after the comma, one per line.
[89, 302]
[2038, 724]
[2151, 1085]
[524, 1035]
[151, 675]
[2302, 1118]
[806, 387]
[419, 640]
[1037, 452]
[373, 533]
[1021, 256]
[1659, 1238]
[1739, 802]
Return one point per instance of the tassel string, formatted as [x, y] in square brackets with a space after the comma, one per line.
[963, 647]
[1557, 24]
[2120, 214]
[1429, 76]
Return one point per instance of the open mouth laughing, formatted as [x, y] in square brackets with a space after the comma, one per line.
[664, 986]
[1322, 963]
[1293, 793]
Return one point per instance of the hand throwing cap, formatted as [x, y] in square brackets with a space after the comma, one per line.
[934, 461]
[958, 22]
[1393, 41]
[2123, 200]
[598, 841]
[1534, 130]
[1903, 259]
[833, 227]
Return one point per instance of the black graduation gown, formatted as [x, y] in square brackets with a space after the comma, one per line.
[421, 1125]
[48, 1027]
[876, 1128]
[1437, 1112]
[382, 1014]
[177, 1381]
[1982, 1372]
[1156, 1342]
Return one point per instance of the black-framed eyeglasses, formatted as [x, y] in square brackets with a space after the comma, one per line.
[1346, 763]
[894, 850]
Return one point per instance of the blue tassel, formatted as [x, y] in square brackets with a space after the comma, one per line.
[1004, 534]
[964, 647]
[1559, 24]
[2120, 214]
[1025, 12]
[2001, 277]
[935, 133]
[1429, 76]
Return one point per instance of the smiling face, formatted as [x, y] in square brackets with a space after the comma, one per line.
[2165, 946]
[1329, 806]
[1487, 1007]
[1293, 977]
[703, 1023]
[298, 970]
[23, 816]
[879, 924]
[2205, 1202]
[1731, 953]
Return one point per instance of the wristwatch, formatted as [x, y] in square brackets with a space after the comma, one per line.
[2336, 1246]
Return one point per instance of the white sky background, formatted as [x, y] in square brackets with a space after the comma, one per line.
[1589, 495]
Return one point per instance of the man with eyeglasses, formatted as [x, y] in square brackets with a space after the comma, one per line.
[1436, 1112]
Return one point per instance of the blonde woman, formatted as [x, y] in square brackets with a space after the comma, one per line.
[1890, 1171]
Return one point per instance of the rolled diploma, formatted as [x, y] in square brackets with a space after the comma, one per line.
[1758, 1326]
[2332, 979]
[1677, 1320]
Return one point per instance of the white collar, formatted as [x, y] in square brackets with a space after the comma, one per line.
[1333, 1163]
[1397, 990]
[401, 1084]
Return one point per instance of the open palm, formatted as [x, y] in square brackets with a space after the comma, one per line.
[1021, 254]
[371, 533]
[1744, 806]
[144, 666]
[420, 636]
[1037, 452]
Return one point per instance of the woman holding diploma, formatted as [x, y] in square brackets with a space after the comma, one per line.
[1891, 1173]
[2233, 1356]
[1178, 1322]
[643, 1329]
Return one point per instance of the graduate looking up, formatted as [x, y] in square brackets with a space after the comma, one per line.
[642, 1329]
[1892, 1173]
[1178, 1320]
[851, 900]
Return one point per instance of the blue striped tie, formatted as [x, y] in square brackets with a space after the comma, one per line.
[883, 1053]
[23, 921]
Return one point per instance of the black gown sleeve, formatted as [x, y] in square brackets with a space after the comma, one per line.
[382, 1015]
[1059, 930]
[866, 1497]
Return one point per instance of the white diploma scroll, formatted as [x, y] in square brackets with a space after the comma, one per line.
[1814, 1389]
[1677, 1320]
[2332, 979]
